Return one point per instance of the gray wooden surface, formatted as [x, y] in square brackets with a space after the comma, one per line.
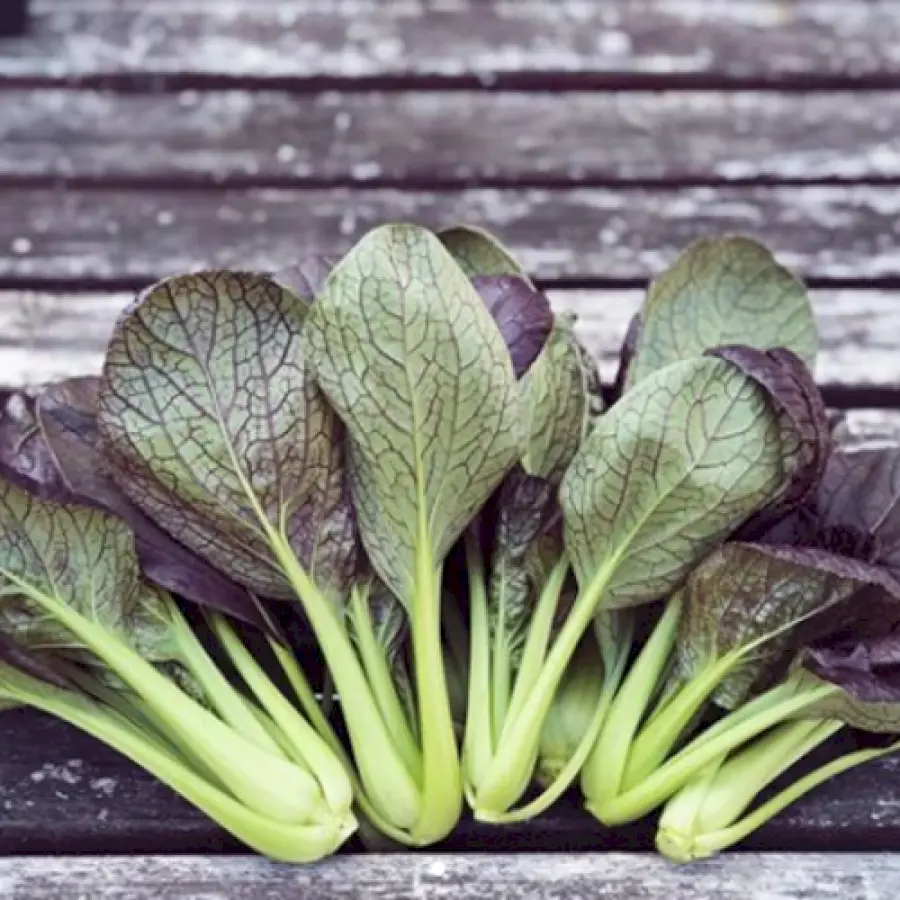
[46, 334]
[667, 42]
[599, 235]
[448, 138]
[143, 137]
[426, 876]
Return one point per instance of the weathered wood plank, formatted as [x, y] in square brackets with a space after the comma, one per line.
[61, 791]
[436, 876]
[449, 138]
[824, 232]
[465, 41]
[45, 335]
[870, 426]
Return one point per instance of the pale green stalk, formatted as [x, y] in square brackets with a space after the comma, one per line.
[602, 775]
[284, 792]
[694, 759]
[381, 679]
[684, 846]
[301, 843]
[515, 757]
[478, 740]
[307, 748]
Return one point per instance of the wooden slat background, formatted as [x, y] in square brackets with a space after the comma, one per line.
[449, 138]
[599, 235]
[498, 43]
[430, 876]
[143, 137]
[45, 334]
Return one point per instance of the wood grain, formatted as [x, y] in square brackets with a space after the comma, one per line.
[823, 232]
[430, 876]
[46, 335]
[448, 138]
[486, 42]
[869, 426]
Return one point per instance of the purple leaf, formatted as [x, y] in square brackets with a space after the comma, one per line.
[626, 354]
[802, 419]
[23, 451]
[66, 414]
[868, 670]
[522, 314]
[305, 277]
[743, 591]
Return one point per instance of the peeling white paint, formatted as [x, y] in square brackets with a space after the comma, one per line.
[306, 38]
[105, 786]
[67, 773]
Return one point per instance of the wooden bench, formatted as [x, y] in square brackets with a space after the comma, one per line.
[142, 138]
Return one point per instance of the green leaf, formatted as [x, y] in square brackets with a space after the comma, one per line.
[479, 253]
[213, 426]
[724, 290]
[407, 354]
[85, 560]
[562, 399]
[672, 469]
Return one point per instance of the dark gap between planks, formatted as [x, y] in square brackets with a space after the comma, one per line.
[208, 181]
[547, 81]
[134, 283]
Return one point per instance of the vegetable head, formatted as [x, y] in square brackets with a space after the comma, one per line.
[408, 355]
[72, 593]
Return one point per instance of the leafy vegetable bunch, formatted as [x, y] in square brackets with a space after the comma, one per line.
[513, 581]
